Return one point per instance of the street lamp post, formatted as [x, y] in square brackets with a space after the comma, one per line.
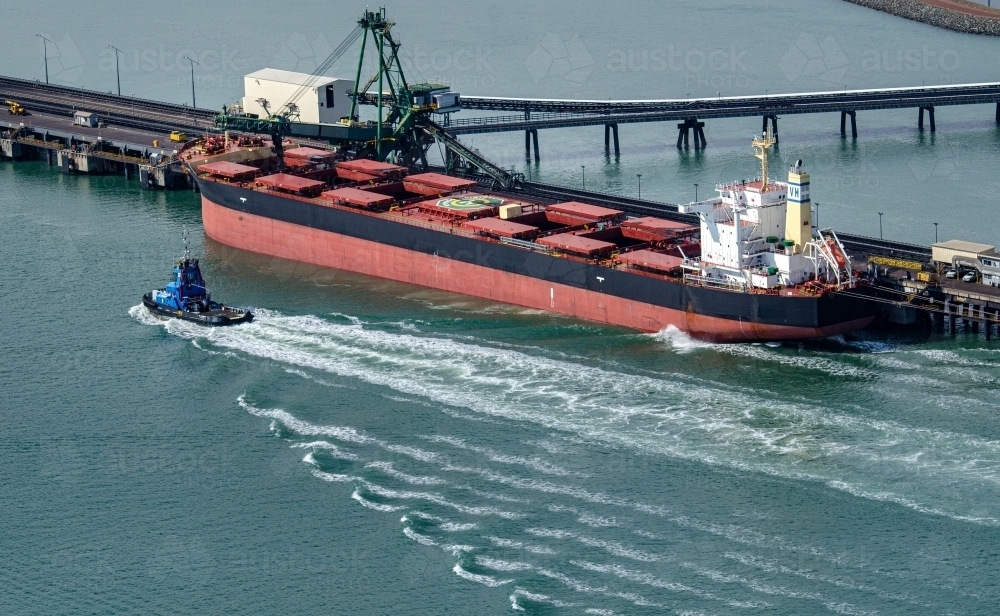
[45, 52]
[583, 171]
[117, 72]
[935, 233]
[880, 226]
[194, 104]
[639, 175]
[696, 193]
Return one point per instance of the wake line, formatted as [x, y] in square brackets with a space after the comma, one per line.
[679, 417]
[728, 531]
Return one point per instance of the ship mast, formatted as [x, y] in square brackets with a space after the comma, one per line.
[761, 145]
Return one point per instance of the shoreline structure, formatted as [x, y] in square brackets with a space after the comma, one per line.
[957, 15]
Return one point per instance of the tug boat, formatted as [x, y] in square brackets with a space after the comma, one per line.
[187, 298]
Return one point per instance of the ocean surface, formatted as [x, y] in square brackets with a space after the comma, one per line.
[370, 447]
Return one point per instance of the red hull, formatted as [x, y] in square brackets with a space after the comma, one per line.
[305, 244]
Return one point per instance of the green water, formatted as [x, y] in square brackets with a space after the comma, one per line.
[371, 447]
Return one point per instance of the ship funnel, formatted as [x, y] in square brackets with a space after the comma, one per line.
[798, 213]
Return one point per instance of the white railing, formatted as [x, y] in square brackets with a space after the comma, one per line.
[717, 283]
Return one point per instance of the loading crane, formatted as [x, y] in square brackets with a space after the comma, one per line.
[404, 129]
[401, 107]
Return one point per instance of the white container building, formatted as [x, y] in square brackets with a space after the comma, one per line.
[323, 101]
[85, 118]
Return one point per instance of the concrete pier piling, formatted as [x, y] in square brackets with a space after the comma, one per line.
[854, 123]
[930, 112]
[531, 138]
[609, 129]
[774, 125]
[684, 130]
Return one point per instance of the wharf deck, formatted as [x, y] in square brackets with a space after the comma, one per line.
[63, 128]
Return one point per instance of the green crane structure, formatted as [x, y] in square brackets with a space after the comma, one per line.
[404, 129]
[401, 107]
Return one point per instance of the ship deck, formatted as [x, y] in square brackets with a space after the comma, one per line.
[573, 231]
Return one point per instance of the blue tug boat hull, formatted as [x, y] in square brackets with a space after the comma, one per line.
[216, 314]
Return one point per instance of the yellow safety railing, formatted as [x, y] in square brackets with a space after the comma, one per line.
[894, 262]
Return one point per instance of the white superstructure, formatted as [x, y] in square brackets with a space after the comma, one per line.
[758, 234]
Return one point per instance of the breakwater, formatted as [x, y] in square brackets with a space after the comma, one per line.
[937, 15]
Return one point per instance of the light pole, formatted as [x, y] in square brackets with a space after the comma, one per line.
[696, 193]
[935, 233]
[583, 170]
[194, 104]
[639, 175]
[117, 72]
[45, 51]
[880, 225]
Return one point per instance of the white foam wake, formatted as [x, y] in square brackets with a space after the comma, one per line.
[612, 547]
[673, 414]
[437, 499]
[376, 506]
[485, 580]
[651, 580]
[538, 464]
[348, 435]
[388, 469]
[329, 448]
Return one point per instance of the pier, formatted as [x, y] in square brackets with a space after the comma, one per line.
[132, 137]
[944, 307]
[535, 114]
[124, 111]
[144, 155]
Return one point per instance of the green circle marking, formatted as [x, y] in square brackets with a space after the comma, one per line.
[470, 203]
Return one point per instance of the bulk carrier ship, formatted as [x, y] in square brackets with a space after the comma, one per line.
[754, 269]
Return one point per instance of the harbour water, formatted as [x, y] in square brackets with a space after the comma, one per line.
[371, 447]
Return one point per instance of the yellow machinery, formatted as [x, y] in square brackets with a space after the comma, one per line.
[178, 136]
[893, 262]
[15, 108]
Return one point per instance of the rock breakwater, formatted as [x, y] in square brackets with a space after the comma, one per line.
[940, 16]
